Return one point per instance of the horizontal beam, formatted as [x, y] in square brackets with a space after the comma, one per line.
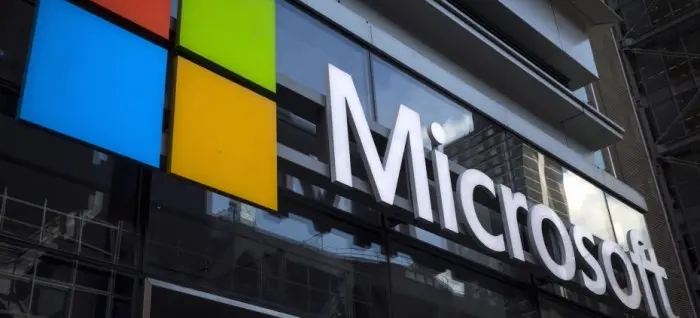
[672, 148]
[670, 25]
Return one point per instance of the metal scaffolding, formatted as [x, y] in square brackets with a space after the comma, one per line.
[661, 43]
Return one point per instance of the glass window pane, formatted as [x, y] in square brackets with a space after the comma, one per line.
[461, 250]
[16, 20]
[426, 286]
[295, 260]
[49, 301]
[93, 277]
[586, 206]
[121, 308]
[394, 88]
[330, 199]
[47, 268]
[624, 218]
[473, 141]
[599, 160]
[581, 94]
[545, 181]
[87, 304]
[69, 196]
[305, 47]
[551, 309]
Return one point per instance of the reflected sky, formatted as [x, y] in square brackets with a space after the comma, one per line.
[624, 218]
[586, 205]
[306, 46]
[297, 229]
[394, 88]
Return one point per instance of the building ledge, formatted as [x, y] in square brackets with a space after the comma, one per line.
[483, 58]
[681, 22]
[547, 50]
[596, 12]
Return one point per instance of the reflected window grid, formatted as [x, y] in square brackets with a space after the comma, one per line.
[38, 284]
[276, 263]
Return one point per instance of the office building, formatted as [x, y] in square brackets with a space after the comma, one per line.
[659, 43]
[182, 158]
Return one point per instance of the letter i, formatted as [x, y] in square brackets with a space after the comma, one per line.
[441, 174]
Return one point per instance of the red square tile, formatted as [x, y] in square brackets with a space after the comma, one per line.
[153, 15]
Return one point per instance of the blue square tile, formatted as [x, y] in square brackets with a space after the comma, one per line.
[96, 82]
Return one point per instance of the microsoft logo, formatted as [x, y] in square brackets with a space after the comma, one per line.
[102, 71]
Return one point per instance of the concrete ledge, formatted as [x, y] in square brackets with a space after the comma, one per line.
[527, 37]
[489, 61]
[596, 11]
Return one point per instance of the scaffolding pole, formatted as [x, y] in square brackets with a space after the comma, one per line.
[678, 117]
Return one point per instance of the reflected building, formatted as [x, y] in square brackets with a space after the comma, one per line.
[508, 160]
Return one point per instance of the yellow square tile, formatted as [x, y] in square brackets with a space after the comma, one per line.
[224, 136]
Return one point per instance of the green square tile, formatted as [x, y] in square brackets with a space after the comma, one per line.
[238, 35]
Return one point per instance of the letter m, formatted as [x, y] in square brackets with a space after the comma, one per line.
[383, 174]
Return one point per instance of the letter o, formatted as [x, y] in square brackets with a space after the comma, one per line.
[605, 252]
[535, 220]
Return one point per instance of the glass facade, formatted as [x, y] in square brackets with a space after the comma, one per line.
[305, 48]
[82, 229]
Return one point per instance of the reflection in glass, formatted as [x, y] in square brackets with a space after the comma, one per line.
[330, 199]
[581, 297]
[293, 228]
[46, 285]
[624, 218]
[599, 160]
[581, 94]
[551, 309]
[47, 209]
[394, 88]
[426, 286]
[16, 20]
[305, 47]
[586, 206]
[50, 302]
[288, 261]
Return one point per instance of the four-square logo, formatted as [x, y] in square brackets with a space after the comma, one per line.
[104, 72]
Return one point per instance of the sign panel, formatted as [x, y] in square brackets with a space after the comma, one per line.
[224, 135]
[96, 82]
[344, 113]
[237, 35]
[153, 15]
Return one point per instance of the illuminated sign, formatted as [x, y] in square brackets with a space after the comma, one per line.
[344, 113]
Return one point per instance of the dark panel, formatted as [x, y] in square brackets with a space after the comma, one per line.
[630, 157]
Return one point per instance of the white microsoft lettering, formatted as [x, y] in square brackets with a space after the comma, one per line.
[595, 284]
[570, 243]
[384, 177]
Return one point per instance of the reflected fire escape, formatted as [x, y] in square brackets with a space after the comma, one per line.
[660, 46]
[19, 264]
